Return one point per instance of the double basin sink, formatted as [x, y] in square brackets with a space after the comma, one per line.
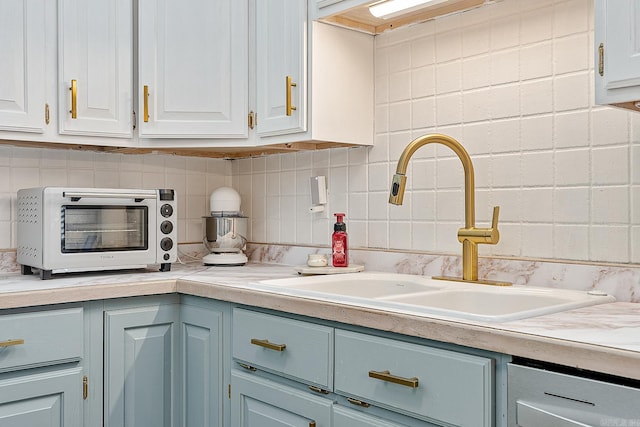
[424, 296]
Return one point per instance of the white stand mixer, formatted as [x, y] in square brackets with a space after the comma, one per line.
[224, 229]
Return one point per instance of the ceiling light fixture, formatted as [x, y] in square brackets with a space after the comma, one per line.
[391, 8]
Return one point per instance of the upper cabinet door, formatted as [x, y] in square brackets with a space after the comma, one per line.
[281, 66]
[22, 65]
[193, 68]
[617, 45]
[95, 89]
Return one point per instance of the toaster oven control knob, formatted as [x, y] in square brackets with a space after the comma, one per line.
[166, 227]
[166, 210]
[166, 244]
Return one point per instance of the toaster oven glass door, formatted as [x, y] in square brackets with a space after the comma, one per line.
[96, 228]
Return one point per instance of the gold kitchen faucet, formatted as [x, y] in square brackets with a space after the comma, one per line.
[469, 236]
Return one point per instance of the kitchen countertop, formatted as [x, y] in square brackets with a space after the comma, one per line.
[603, 338]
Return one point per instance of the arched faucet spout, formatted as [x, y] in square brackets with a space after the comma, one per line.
[469, 236]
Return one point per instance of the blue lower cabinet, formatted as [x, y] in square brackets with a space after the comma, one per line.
[139, 366]
[260, 402]
[204, 365]
[51, 399]
[345, 417]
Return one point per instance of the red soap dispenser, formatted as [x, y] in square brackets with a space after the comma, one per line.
[339, 246]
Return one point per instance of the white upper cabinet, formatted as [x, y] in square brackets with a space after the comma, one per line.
[281, 66]
[193, 68]
[617, 52]
[95, 86]
[22, 65]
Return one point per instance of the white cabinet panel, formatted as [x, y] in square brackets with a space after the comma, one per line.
[22, 65]
[617, 45]
[193, 60]
[281, 71]
[96, 51]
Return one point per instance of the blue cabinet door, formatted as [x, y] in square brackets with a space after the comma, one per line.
[204, 367]
[259, 402]
[52, 399]
[140, 365]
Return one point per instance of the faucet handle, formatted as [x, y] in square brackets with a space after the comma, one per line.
[494, 221]
[489, 235]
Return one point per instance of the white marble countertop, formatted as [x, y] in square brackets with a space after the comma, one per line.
[603, 338]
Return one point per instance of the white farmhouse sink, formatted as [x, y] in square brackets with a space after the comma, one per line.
[425, 296]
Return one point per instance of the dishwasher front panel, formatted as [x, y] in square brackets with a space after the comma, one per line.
[544, 398]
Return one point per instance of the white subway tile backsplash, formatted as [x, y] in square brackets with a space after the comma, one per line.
[571, 129]
[423, 82]
[571, 92]
[506, 170]
[25, 158]
[536, 96]
[505, 66]
[476, 106]
[5, 210]
[609, 243]
[273, 184]
[357, 178]
[399, 234]
[423, 52]
[571, 205]
[378, 206]
[572, 53]
[610, 165]
[448, 46]
[377, 234]
[450, 206]
[422, 206]
[535, 25]
[571, 167]
[475, 40]
[6, 153]
[505, 32]
[536, 61]
[536, 132]
[505, 101]
[571, 242]
[537, 169]
[423, 113]
[635, 244]
[448, 109]
[24, 177]
[538, 205]
[423, 236]
[358, 206]
[400, 86]
[400, 116]
[539, 240]
[610, 126]
[449, 77]
[505, 136]
[610, 205]
[572, 16]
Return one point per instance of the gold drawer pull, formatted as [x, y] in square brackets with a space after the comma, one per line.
[387, 376]
[269, 345]
[357, 402]
[9, 343]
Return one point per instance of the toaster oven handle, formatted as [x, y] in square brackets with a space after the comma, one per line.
[138, 197]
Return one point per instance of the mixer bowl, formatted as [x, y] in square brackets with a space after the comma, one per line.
[225, 233]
